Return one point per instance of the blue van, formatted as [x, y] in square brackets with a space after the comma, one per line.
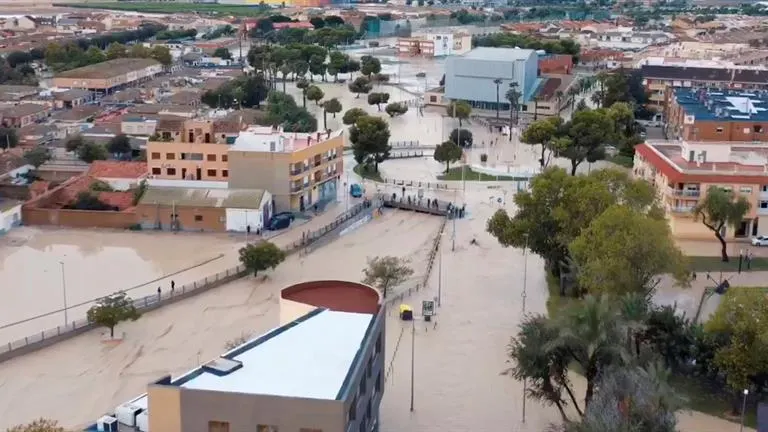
[356, 190]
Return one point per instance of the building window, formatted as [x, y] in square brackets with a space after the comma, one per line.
[764, 188]
[266, 428]
[225, 173]
[363, 379]
[745, 189]
[192, 156]
[378, 344]
[757, 128]
[378, 383]
[156, 171]
[198, 218]
[224, 158]
[211, 158]
[763, 204]
[211, 173]
[170, 171]
[719, 129]
[155, 156]
[170, 156]
[218, 426]
[369, 368]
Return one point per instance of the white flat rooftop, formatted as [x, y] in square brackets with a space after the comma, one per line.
[309, 360]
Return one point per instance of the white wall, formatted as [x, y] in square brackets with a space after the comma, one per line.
[10, 218]
[239, 219]
[121, 184]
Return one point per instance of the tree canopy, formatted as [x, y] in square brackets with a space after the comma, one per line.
[370, 141]
[447, 153]
[386, 273]
[720, 209]
[111, 310]
[260, 257]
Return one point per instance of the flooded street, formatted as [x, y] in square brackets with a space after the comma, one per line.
[36, 265]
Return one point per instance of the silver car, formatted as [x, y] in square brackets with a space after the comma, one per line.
[760, 241]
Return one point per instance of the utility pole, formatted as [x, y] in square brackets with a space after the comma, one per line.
[440, 273]
[524, 295]
[64, 292]
[413, 354]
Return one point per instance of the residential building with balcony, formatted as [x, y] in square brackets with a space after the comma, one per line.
[300, 170]
[683, 172]
[320, 370]
[189, 150]
[717, 115]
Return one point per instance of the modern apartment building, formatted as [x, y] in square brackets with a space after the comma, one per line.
[108, 76]
[683, 171]
[300, 170]
[321, 370]
[658, 75]
[190, 150]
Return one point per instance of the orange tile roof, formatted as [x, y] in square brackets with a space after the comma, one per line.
[118, 169]
[121, 200]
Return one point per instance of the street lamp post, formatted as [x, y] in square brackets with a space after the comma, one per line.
[64, 292]
[524, 295]
[743, 409]
[413, 355]
[439, 272]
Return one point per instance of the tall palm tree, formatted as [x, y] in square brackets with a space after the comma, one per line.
[573, 91]
[634, 308]
[559, 96]
[498, 82]
[513, 96]
[592, 333]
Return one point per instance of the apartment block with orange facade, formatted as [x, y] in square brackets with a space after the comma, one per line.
[683, 172]
[190, 150]
[300, 170]
[717, 114]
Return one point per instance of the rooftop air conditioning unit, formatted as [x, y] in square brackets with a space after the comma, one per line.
[106, 424]
[126, 414]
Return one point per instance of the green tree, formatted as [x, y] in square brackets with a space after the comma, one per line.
[720, 209]
[739, 317]
[115, 51]
[588, 132]
[448, 152]
[90, 151]
[303, 85]
[360, 85]
[378, 99]
[111, 310]
[395, 109]
[94, 55]
[623, 251]
[590, 331]
[8, 138]
[222, 53]
[386, 272]
[332, 106]
[370, 141]
[40, 425]
[37, 156]
[460, 110]
[369, 65]
[74, 142]
[352, 114]
[120, 145]
[462, 137]
[315, 94]
[260, 257]
[558, 207]
[317, 66]
[545, 368]
[542, 132]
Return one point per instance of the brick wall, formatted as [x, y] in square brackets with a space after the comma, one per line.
[78, 218]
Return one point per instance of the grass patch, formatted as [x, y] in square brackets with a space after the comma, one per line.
[167, 7]
[703, 399]
[621, 160]
[470, 175]
[714, 264]
[367, 173]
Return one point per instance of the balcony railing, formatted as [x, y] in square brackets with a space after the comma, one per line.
[296, 171]
[762, 211]
[681, 209]
[684, 193]
[297, 188]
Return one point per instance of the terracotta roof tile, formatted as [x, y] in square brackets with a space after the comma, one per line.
[117, 169]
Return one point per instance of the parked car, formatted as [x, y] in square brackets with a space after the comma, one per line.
[289, 215]
[356, 190]
[760, 241]
[280, 221]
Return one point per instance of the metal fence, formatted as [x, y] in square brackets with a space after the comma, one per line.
[149, 302]
[417, 184]
[404, 144]
[153, 301]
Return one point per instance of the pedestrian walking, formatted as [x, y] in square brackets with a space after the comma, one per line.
[173, 285]
[158, 293]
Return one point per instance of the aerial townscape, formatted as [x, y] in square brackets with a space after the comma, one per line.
[383, 216]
